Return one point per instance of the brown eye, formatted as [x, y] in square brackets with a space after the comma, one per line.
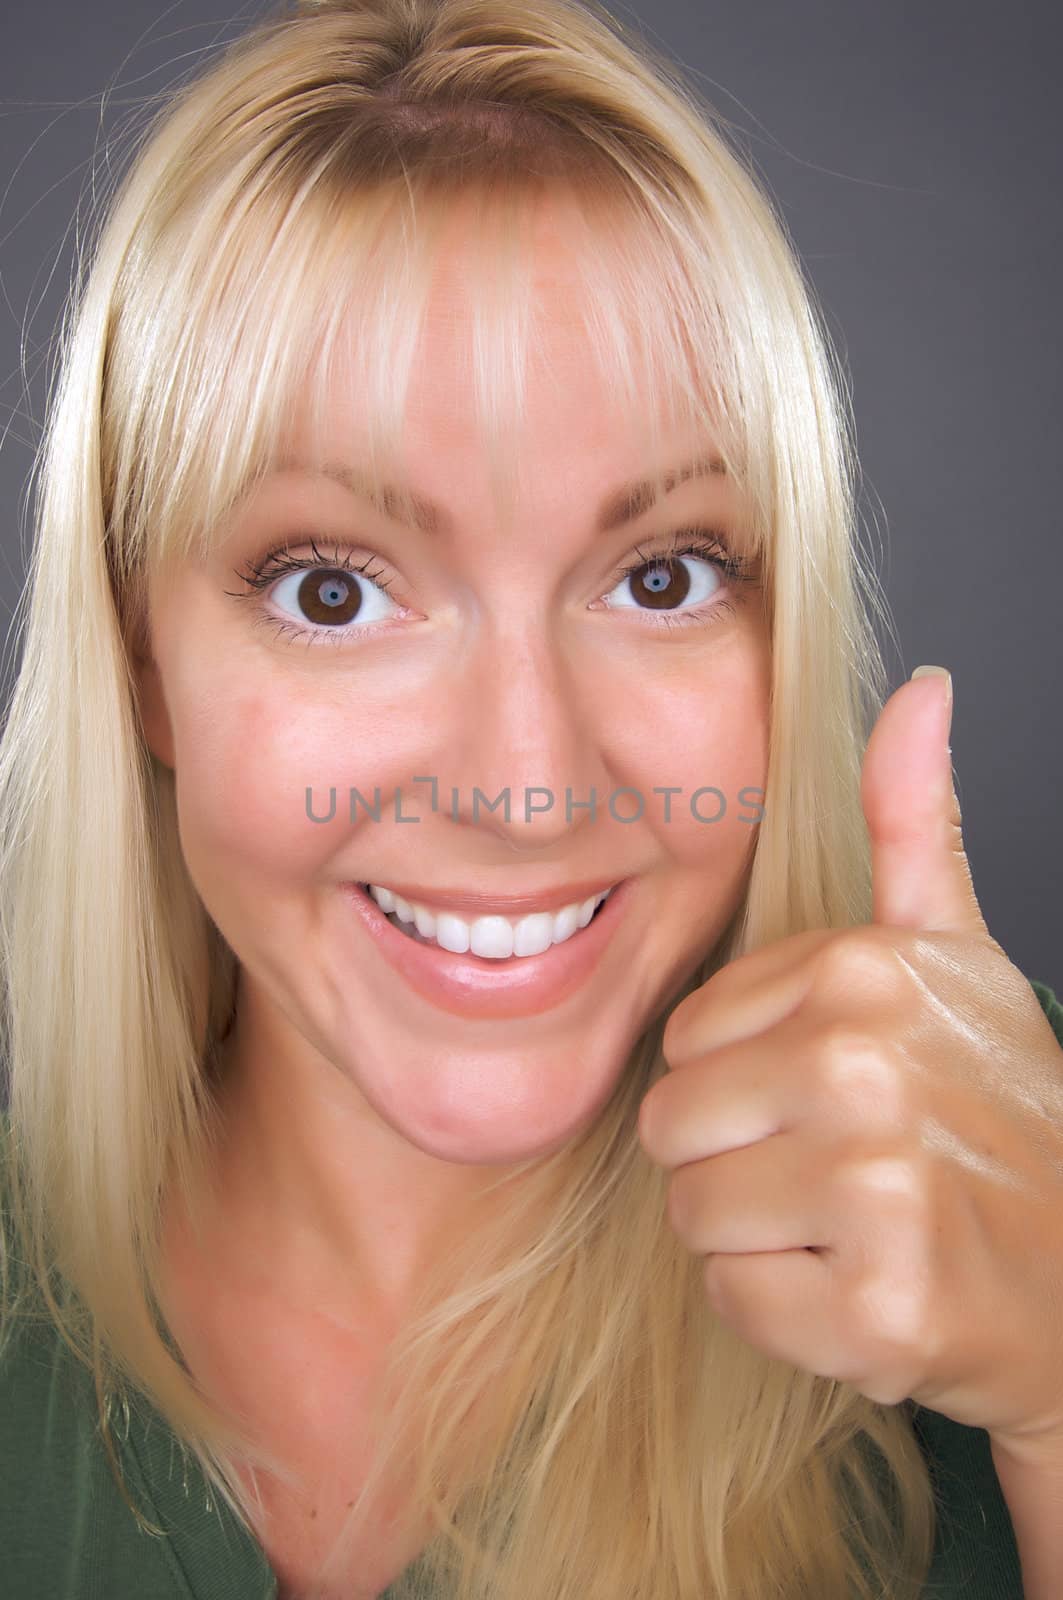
[329, 597]
[661, 584]
[326, 599]
[664, 582]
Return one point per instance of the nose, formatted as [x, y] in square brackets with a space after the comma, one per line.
[527, 757]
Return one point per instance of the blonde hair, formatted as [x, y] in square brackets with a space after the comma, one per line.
[292, 192]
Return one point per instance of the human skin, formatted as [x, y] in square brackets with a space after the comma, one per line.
[361, 1119]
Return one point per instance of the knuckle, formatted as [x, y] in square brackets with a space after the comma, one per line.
[889, 1312]
[887, 1390]
[877, 1176]
[859, 958]
[853, 1065]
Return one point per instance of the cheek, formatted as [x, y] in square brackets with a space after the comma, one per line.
[705, 735]
[246, 761]
[243, 768]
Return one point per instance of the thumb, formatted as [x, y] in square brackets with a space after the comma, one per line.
[919, 869]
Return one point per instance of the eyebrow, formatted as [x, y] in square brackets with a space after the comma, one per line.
[622, 505]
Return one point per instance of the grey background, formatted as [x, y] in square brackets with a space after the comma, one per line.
[915, 152]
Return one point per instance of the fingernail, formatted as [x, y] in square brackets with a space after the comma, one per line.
[926, 672]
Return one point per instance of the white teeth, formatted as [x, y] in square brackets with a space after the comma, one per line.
[490, 936]
[452, 933]
[495, 937]
[534, 934]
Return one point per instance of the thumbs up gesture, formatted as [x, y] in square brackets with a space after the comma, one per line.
[864, 1128]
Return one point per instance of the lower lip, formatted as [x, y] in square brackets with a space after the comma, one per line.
[477, 986]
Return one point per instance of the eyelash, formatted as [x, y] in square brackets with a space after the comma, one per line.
[703, 543]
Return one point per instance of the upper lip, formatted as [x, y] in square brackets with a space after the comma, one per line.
[489, 900]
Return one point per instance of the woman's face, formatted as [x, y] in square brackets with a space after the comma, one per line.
[493, 660]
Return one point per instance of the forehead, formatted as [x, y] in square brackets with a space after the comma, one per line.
[572, 422]
[549, 291]
[509, 355]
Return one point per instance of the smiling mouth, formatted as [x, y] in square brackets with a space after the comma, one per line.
[410, 930]
[578, 960]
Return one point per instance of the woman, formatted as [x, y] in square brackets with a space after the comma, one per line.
[448, 662]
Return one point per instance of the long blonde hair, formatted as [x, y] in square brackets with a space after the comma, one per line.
[293, 190]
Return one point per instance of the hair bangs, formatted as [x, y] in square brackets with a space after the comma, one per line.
[295, 278]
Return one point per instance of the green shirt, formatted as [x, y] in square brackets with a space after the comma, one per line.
[67, 1534]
